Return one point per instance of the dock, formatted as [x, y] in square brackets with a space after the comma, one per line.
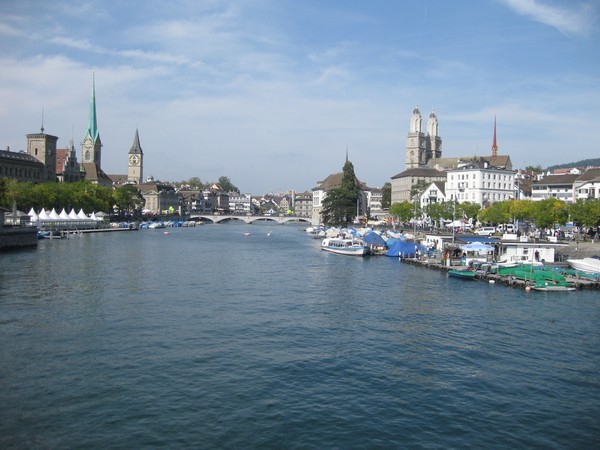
[481, 275]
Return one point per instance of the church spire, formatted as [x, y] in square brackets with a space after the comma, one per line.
[494, 145]
[136, 147]
[92, 123]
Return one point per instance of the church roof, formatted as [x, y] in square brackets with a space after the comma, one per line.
[136, 148]
[118, 179]
[420, 172]
[335, 180]
[92, 128]
[19, 156]
[95, 174]
[498, 162]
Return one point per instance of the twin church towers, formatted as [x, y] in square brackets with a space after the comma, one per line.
[91, 149]
[422, 147]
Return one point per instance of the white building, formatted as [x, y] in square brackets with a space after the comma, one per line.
[554, 186]
[477, 181]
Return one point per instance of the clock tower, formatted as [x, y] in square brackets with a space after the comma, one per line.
[135, 165]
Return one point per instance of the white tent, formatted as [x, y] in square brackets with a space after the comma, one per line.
[81, 214]
[63, 215]
[53, 214]
[33, 217]
[73, 214]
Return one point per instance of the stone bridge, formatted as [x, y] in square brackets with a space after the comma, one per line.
[248, 219]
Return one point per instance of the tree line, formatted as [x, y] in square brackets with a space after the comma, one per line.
[544, 213]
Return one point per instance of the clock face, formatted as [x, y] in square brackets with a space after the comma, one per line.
[134, 159]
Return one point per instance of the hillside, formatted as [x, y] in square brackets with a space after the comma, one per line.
[583, 163]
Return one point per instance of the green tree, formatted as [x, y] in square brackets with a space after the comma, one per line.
[339, 205]
[128, 200]
[194, 183]
[495, 213]
[386, 195]
[469, 210]
[226, 185]
[585, 213]
[550, 211]
[403, 211]
[439, 211]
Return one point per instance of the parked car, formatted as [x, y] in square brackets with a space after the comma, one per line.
[485, 231]
[506, 228]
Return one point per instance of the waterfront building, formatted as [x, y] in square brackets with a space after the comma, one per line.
[160, 198]
[403, 182]
[479, 182]
[554, 186]
[240, 204]
[303, 204]
[587, 186]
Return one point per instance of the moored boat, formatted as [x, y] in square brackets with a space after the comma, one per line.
[342, 246]
[588, 265]
[462, 274]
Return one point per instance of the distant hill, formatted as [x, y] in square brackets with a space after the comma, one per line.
[582, 163]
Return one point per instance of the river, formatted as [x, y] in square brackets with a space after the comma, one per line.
[207, 338]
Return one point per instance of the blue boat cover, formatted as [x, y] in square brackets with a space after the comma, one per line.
[407, 249]
[373, 238]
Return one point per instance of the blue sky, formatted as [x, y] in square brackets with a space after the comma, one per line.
[271, 93]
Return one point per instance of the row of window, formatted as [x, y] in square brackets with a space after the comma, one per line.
[485, 176]
[19, 172]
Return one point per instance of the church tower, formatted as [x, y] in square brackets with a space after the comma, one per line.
[42, 146]
[92, 145]
[415, 144]
[494, 144]
[421, 147]
[434, 147]
[135, 168]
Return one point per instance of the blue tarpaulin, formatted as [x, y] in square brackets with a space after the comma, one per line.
[373, 238]
[406, 249]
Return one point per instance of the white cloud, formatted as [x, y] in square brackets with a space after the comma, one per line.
[575, 19]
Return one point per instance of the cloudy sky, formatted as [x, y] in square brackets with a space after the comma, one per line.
[271, 93]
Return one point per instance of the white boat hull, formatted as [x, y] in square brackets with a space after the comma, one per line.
[588, 265]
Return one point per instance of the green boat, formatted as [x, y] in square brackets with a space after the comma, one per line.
[463, 274]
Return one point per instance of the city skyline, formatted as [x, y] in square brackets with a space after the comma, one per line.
[273, 93]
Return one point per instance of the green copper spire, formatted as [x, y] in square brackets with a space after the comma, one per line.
[92, 124]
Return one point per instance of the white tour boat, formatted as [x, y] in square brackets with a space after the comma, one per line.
[588, 265]
[343, 246]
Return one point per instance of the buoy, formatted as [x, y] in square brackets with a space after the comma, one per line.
[527, 288]
[247, 234]
[492, 281]
[166, 232]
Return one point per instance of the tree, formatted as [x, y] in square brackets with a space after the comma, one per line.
[403, 211]
[469, 210]
[226, 185]
[339, 205]
[386, 195]
[439, 211]
[128, 199]
[550, 211]
[495, 213]
[195, 183]
[585, 213]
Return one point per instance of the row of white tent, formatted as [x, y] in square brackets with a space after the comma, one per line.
[52, 216]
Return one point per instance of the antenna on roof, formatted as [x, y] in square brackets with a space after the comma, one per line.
[42, 129]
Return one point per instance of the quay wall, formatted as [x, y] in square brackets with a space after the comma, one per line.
[18, 237]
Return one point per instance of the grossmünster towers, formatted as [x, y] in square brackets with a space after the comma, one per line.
[420, 146]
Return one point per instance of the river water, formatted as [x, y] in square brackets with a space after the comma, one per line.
[207, 338]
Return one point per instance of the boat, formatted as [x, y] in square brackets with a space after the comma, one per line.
[548, 285]
[588, 265]
[343, 246]
[463, 274]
